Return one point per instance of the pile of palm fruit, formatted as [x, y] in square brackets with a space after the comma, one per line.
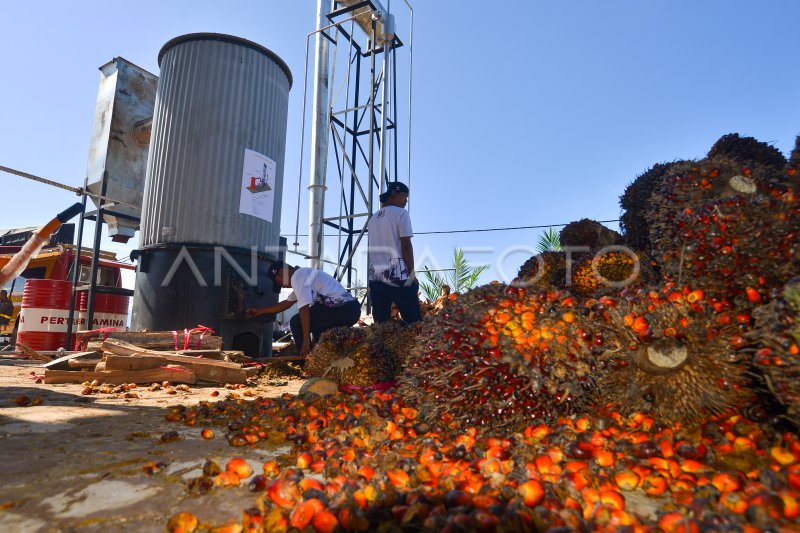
[545, 405]
[500, 357]
[365, 462]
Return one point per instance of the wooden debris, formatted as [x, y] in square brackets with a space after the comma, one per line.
[63, 361]
[174, 374]
[80, 363]
[153, 340]
[33, 354]
[128, 362]
[205, 369]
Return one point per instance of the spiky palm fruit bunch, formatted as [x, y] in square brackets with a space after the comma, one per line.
[500, 357]
[748, 151]
[671, 353]
[794, 160]
[777, 334]
[361, 356]
[586, 232]
[727, 228]
[544, 271]
[635, 203]
[609, 270]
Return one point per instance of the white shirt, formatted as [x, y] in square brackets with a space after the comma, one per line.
[385, 229]
[311, 286]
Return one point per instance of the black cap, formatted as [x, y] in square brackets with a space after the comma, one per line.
[393, 187]
[272, 274]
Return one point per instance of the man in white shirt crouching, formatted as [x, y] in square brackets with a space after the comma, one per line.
[322, 303]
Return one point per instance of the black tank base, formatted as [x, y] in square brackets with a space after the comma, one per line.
[182, 287]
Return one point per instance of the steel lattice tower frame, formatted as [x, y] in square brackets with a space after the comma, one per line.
[357, 119]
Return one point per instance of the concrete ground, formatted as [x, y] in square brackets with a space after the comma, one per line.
[76, 462]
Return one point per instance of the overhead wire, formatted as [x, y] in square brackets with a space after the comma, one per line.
[478, 230]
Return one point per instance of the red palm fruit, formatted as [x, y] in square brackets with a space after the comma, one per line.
[325, 522]
[207, 433]
[578, 480]
[537, 433]
[304, 460]
[310, 483]
[627, 479]
[654, 484]
[790, 505]
[398, 477]
[531, 492]
[283, 493]
[734, 502]
[182, 523]
[576, 466]
[675, 522]
[240, 467]
[304, 512]
[366, 471]
[604, 458]
[753, 295]
[227, 479]
[271, 468]
[693, 467]
[725, 482]
[613, 499]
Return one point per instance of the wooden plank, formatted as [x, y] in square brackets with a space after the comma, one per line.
[81, 363]
[74, 355]
[127, 362]
[206, 354]
[33, 354]
[155, 340]
[174, 374]
[205, 369]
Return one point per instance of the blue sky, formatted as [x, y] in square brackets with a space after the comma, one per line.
[525, 112]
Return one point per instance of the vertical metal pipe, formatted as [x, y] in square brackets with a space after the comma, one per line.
[76, 273]
[353, 157]
[98, 233]
[319, 139]
[384, 103]
[410, 101]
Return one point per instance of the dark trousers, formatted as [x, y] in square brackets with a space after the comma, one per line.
[405, 298]
[324, 318]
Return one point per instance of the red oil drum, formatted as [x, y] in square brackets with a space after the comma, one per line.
[44, 313]
[110, 311]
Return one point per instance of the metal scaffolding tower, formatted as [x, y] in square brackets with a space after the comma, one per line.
[355, 112]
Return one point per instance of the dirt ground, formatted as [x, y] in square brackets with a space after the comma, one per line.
[76, 462]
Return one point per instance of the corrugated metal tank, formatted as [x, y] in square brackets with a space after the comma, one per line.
[217, 96]
[212, 198]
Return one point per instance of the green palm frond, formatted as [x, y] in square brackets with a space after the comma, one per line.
[549, 241]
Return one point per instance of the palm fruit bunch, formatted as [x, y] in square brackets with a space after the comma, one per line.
[608, 270]
[777, 344]
[586, 232]
[671, 353]
[361, 357]
[794, 159]
[726, 227]
[545, 271]
[635, 202]
[500, 357]
[748, 151]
